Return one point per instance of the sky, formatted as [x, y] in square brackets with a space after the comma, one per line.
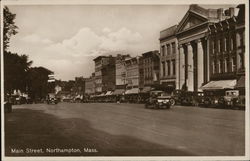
[66, 38]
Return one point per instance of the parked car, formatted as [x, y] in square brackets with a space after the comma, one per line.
[231, 98]
[51, 99]
[158, 99]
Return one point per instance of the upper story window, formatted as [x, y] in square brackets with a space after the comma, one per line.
[173, 48]
[169, 68]
[168, 49]
[163, 68]
[173, 64]
[163, 50]
[221, 45]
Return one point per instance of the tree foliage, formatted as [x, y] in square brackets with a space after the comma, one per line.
[9, 27]
[37, 82]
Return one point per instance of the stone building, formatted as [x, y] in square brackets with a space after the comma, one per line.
[192, 35]
[169, 58]
[149, 68]
[120, 74]
[104, 74]
[132, 75]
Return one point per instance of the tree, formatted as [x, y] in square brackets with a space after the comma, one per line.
[37, 82]
[9, 27]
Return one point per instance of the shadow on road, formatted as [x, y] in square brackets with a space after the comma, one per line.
[34, 133]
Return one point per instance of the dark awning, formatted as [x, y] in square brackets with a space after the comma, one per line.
[241, 82]
[220, 84]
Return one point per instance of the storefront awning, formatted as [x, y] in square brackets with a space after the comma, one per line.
[241, 82]
[132, 91]
[220, 84]
[118, 92]
[146, 89]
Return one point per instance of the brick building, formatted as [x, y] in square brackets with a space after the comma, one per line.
[104, 74]
[227, 50]
[149, 68]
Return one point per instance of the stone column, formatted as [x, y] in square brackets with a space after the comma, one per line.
[190, 67]
[200, 65]
[181, 67]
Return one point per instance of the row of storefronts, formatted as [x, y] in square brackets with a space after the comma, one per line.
[204, 52]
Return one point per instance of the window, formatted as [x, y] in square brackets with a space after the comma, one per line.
[163, 68]
[221, 45]
[173, 48]
[173, 63]
[228, 65]
[163, 50]
[225, 44]
[213, 67]
[168, 49]
[169, 70]
[232, 43]
[212, 46]
[219, 67]
[225, 65]
[233, 64]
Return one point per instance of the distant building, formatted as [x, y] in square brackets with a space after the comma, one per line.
[90, 85]
[149, 68]
[132, 76]
[169, 60]
[120, 74]
[104, 74]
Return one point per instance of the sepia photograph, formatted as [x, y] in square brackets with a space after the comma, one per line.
[102, 79]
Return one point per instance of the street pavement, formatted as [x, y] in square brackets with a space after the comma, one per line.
[111, 129]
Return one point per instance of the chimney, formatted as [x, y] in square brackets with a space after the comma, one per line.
[220, 13]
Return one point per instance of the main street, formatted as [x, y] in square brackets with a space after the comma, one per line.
[110, 129]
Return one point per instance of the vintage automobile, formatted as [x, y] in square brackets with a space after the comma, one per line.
[158, 100]
[231, 98]
[51, 99]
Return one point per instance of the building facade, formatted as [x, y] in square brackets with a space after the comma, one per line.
[132, 73]
[192, 34]
[169, 58]
[104, 74]
[90, 85]
[120, 70]
[227, 48]
[149, 69]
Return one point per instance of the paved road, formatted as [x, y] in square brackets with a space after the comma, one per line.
[130, 129]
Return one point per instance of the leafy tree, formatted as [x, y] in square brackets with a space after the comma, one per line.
[15, 71]
[9, 27]
[37, 82]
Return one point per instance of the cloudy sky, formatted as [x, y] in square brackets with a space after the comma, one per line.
[65, 39]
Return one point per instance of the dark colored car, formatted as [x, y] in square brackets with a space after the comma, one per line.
[158, 100]
[51, 99]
